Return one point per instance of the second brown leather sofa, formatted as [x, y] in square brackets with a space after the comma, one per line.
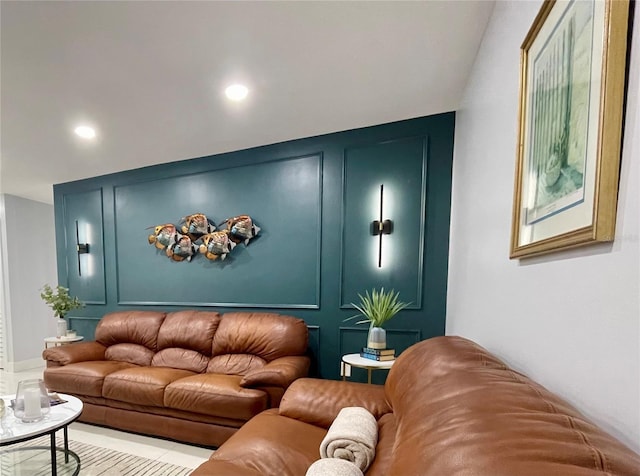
[193, 376]
[448, 408]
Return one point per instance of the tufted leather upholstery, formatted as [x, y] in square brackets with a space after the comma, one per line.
[448, 408]
[194, 376]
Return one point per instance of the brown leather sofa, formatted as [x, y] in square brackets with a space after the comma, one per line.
[448, 408]
[192, 376]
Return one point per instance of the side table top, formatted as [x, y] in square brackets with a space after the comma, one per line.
[62, 340]
[361, 362]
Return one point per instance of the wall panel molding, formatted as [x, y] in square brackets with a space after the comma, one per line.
[401, 165]
[85, 273]
[269, 188]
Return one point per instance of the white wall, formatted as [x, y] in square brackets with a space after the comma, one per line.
[569, 320]
[29, 261]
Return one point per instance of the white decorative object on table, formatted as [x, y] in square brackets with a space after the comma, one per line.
[32, 401]
[61, 327]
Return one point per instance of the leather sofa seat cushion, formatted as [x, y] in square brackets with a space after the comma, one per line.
[141, 385]
[179, 358]
[235, 364]
[215, 395]
[136, 327]
[83, 378]
[267, 335]
[133, 353]
[189, 330]
[266, 442]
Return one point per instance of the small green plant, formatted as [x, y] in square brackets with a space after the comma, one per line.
[60, 300]
[378, 307]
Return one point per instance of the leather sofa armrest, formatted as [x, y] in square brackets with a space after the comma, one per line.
[72, 353]
[279, 372]
[318, 402]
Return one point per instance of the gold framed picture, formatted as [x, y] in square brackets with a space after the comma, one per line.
[572, 80]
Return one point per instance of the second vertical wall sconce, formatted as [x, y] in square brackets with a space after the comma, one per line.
[81, 248]
[381, 227]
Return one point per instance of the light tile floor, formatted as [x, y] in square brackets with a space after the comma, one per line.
[151, 448]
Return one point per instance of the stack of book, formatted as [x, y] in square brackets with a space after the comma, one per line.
[378, 354]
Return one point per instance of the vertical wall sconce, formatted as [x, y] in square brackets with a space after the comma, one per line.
[81, 248]
[381, 227]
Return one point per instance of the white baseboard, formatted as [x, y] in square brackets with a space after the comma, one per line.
[24, 365]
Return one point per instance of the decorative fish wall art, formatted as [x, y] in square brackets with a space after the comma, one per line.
[242, 228]
[182, 249]
[196, 225]
[163, 235]
[217, 245]
[198, 233]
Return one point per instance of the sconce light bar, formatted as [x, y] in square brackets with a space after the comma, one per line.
[81, 248]
[381, 227]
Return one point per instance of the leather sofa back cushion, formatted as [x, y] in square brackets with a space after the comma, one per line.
[136, 327]
[132, 353]
[178, 358]
[189, 330]
[267, 335]
[467, 410]
[235, 364]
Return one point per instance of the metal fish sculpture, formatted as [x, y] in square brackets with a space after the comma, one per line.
[242, 228]
[197, 225]
[217, 245]
[182, 249]
[163, 235]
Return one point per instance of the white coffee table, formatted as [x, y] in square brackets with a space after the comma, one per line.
[356, 361]
[60, 416]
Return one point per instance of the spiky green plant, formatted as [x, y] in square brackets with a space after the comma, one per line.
[60, 300]
[378, 307]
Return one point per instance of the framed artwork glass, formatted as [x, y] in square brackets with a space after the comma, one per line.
[572, 80]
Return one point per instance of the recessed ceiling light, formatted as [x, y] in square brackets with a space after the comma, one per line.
[85, 132]
[236, 92]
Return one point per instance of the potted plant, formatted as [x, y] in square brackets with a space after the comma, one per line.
[61, 302]
[377, 308]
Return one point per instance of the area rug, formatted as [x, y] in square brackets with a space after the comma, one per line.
[94, 461]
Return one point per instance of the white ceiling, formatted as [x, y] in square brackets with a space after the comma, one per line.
[150, 77]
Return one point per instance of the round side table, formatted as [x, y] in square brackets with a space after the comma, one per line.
[56, 341]
[60, 416]
[360, 362]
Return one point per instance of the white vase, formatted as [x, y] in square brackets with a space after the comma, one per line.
[377, 338]
[61, 327]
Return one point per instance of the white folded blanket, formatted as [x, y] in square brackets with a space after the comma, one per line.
[352, 436]
[333, 467]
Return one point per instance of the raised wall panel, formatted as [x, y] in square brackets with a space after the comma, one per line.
[400, 166]
[85, 278]
[280, 268]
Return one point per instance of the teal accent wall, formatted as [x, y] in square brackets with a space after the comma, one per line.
[314, 198]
